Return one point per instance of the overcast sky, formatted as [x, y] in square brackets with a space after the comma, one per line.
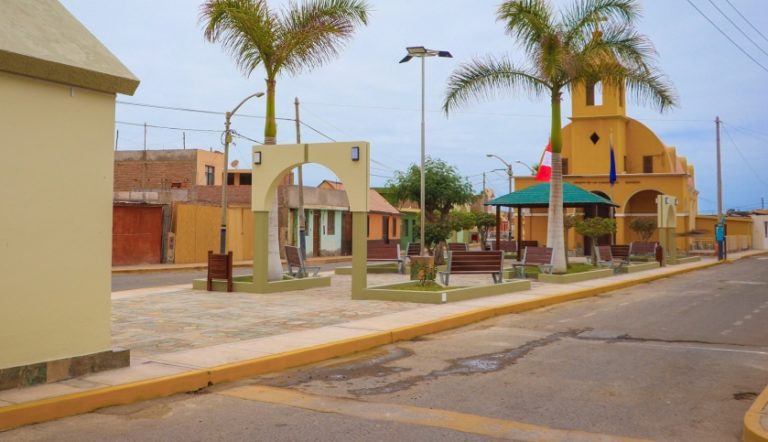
[366, 95]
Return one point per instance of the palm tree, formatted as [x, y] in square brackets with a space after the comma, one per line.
[563, 50]
[297, 38]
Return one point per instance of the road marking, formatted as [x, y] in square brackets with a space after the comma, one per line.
[747, 282]
[748, 317]
[696, 347]
[565, 320]
[738, 323]
[428, 417]
[726, 332]
[589, 314]
[756, 311]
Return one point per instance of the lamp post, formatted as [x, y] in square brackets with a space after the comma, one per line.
[225, 173]
[533, 172]
[423, 53]
[509, 176]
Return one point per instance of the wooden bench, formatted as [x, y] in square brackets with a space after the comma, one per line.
[472, 263]
[386, 253]
[604, 257]
[219, 267]
[540, 257]
[294, 258]
[642, 249]
[413, 249]
[505, 246]
[620, 251]
[457, 247]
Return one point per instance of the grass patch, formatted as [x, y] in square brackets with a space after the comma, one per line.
[577, 267]
[249, 278]
[417, 287]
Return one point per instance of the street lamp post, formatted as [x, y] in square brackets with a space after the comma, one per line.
[509, 176]
[533, 172]
[423, 53]
[225, 173]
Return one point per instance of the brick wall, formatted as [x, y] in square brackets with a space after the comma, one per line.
[163, 169]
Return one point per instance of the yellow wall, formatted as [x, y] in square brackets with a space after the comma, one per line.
[197, 230]
[55, 230]
[206, 158]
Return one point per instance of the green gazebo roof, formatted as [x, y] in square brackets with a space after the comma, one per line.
[538, 196]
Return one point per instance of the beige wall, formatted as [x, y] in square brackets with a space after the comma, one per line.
[55, 236]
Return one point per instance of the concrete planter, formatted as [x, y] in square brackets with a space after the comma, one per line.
[683, 260]
[575, 277]
[387, 293]
[372, 268]
[638, 267]
[418, 263]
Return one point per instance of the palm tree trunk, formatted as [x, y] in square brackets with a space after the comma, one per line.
[555, 229]
[275, 269]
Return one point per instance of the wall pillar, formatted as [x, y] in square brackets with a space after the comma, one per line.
[359, 253]
[260, 252]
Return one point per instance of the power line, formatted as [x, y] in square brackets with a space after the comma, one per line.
[726, 36]
[749, 165]
[153, 126]
[738, 28]
[745, 19]
[751, 132]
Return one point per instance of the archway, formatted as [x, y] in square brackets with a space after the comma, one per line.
[641, 204]
[349, 161]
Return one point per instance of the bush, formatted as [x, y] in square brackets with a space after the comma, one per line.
[643, 227]
[595, 228]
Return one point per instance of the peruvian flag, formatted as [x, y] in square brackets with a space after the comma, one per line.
[545, 166]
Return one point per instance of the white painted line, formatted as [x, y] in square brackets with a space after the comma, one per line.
[738, 323]
[747, 282]
[725, 332]
[589, 314]
[696, 347]
[565, 320]
[748, 317]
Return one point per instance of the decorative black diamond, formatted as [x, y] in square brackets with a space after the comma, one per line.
[594, 137]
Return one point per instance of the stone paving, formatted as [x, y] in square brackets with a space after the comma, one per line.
[177, 318]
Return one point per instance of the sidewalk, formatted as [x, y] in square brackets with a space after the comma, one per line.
[183, 340]
[147, 268]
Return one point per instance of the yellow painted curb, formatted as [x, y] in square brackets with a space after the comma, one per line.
[72, 404]
[753, 428]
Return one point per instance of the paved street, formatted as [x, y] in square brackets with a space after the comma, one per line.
[677, 359]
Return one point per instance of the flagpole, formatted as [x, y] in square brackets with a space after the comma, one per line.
[612, 171]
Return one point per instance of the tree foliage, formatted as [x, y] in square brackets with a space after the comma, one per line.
[444, 188]
[595, 228]
[644, 227]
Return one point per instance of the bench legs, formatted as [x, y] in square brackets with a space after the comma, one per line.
[444, 276]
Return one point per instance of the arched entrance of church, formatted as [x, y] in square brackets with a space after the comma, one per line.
[640, 205]
[602, 212]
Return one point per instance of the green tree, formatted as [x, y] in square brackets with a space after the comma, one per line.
[563, 50]
[462, 221]
[594, 228]
[644, 227]
[297, 38]
[484, 222]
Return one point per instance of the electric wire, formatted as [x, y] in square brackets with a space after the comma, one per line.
[726, 36]
[745, 19]
[738, 28]
[749, 165]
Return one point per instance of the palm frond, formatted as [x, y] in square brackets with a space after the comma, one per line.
[581, 21]
[650, 87]
[528, 21]
[245, 28]
[312, 33]
[482, 78]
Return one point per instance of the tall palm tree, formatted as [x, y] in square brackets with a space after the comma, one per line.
[296, 38]
[564, 49]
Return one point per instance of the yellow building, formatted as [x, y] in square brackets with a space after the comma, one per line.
[645, 166]
[58, 85]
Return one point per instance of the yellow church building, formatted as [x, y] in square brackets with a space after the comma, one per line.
[645, 168]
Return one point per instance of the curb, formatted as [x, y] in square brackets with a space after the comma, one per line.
[78, 403]
[159, 268]
[753, 428]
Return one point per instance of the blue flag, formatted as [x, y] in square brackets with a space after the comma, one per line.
[612, 175]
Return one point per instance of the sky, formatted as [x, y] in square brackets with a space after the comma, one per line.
[365, 94]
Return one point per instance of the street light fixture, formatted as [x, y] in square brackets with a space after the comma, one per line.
[225, 173]
[509, 176]
[533, 172]
[423, 53]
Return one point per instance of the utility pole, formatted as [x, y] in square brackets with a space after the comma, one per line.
[302, 218]
[117, 138]
[720, 229]
[145, 135]
[184, 140]
[484, 201]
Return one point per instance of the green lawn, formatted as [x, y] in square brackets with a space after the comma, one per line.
[417, 287]
[578, 267]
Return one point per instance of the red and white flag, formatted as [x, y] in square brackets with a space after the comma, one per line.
[545, 166]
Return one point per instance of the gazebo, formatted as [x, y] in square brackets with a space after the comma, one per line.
[538, 196]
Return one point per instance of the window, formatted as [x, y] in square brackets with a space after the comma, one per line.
[765, 224]
[245, 179]
[564, 162]
[394, 227]
[209, 175]
[331, 222]
[230, 179]
[647, 164]
[595, 94]
[368, 227]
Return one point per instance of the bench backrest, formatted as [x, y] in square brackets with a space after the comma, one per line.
[457, 247]
[620, 251]
[537, 255]
[414, 249]
[475, 261]
[642, 248]
[603, 253]
[384, 251]
[293, 256]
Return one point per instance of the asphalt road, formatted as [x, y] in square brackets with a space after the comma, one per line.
[677, 359]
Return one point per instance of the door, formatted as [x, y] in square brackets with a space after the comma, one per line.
[315, 233]
[385, 229]
[346, 234]
[137, 234]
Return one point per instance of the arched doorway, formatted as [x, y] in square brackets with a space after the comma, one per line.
[602, 212]
[640, 205]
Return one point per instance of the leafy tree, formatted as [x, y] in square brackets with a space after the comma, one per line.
[484, 222]
[643, 227]
[462, 221]
[563, 50]
[299, 37]
[595, 228]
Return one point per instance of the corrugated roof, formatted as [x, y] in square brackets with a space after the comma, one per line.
[41, 39]
[538, 196]
[376, 203]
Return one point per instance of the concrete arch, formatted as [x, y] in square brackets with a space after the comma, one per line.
[641, 204]
[627, 204]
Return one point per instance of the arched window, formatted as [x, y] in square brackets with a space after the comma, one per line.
[595, 94]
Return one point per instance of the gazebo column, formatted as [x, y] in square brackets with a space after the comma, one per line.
[519, 230]
[498, 227]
